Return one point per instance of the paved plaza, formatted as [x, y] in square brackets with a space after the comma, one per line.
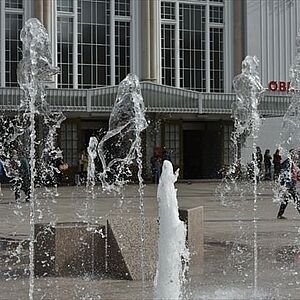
[228, 270]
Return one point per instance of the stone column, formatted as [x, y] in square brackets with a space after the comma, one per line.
[38, 10]
[44, 10]
[239, 20]
[149, 37]
[145, 39]
[47, 16]
[154, 41]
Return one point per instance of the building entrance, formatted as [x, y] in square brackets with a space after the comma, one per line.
[202, 153]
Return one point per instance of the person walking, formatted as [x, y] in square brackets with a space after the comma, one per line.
[2, 176]
[156, 164]
[277, 164]
[13, 167]
[288, 178]
[268, 164]
[83, 163]
[25, 177]
[257, 158]
[166, 154]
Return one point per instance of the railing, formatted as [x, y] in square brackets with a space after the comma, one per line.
[166, 99]
[274, 105]
[158, 98]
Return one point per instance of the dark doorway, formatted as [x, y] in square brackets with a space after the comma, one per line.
[202, 154]
[91, 128]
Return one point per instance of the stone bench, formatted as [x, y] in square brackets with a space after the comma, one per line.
[124, 245]
[69, 249]
[75, 249]
[193, 218]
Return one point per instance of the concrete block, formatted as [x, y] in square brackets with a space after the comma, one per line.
[124, 247]
[193, 218]
[69, 249]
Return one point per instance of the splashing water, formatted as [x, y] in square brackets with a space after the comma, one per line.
[121, 145]
[173, 254]
[246, 123]
[34, 69]
[290, 135]
[289, 139]
[92, 153]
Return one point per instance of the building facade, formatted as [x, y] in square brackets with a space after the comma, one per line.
[187, 45]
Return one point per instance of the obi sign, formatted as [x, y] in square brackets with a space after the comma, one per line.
[279, 86]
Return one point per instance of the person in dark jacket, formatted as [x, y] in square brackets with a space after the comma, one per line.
[25, 177]
[156, 164]
[268, 164]
[288, 178]
[277, 164]
[2, 176]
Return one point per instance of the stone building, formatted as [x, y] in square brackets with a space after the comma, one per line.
[185, 52]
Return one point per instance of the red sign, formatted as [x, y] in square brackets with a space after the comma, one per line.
[279, 86]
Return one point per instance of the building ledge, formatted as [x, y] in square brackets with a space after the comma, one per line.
[158, 99]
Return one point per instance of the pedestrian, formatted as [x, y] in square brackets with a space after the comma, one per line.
[25, 177]
[288, 178]
[257, 159]
[277, 164]
[156, 164]
[268, 164]
[2, 176]
[166, 155]
[83, 165]
[59, 166]
[13, 167]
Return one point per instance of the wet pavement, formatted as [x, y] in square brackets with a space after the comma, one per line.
[230, 240]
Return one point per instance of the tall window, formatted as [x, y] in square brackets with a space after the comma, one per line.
[122, 39]
[172, 142]
[69, 143]
[216, 33]
[197, 47]
[65, 5]
[91, 21]
[93, 43]
[65, 51]
[192, 47]
[18, 4]
[216, 60]
[168, 53]
[13, 45]
[122, 8]
[168, 43]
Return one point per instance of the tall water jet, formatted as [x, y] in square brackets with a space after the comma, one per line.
[289, 141]
[173, 254]
[245, 113]
[121, 146]
[248, 89]
[290, 135]
[34, 69]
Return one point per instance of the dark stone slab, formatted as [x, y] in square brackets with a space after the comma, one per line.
[44, 250]
[193, 218]
[74, 249]
[124, 247]
[69, 249]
